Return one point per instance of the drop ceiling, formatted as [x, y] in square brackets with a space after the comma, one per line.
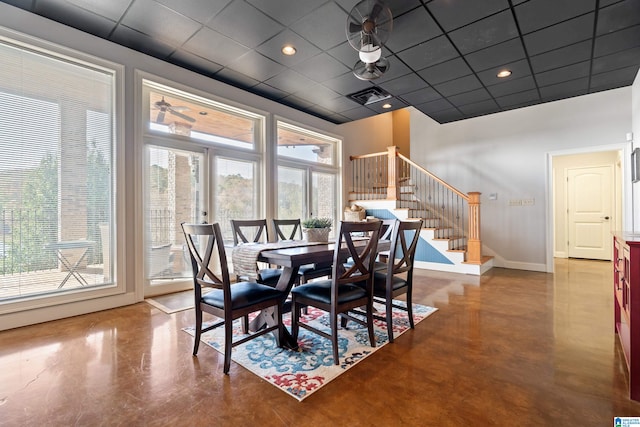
[444, 54]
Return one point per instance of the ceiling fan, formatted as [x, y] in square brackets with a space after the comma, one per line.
[368, 27]
[164, 106]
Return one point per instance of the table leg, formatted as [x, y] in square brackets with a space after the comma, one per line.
[267, 316]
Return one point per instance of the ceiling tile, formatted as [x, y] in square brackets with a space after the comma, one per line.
[437, 105]
[199, 10]
[215, 47]
[615, 42]
[141, 42]
[421, 96]
[494, 56]
[563, 74]
[282, 11]
[621, 59]
[561, 57]
[559, 35]
[446, 116]
[512, 86]
[398, 7]
[194, 62]
[487, 106]
[429, 53]
[565, 89]
[445, 71]
[235, 78]
[346, 83]
[536, 14]
[321, 67]
[518, 70]
[358, 113]
[290, 81]
[338, 104]
[518, 98]
[463, 84]
[411, 29]
[256, 66]
[270, 92]
[396, 69]
[618, 16]
[245, 24]
[272, 48]
[77, 17]
[469, 97]
[160, 22]
[112, 10]
[345, 54]
[616, 78]
[316, 92]
[453, 14]
[484, 33]
[325, 27]
[403, 84]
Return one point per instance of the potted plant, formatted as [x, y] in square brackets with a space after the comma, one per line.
[317, 229]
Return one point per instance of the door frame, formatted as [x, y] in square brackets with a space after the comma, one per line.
[625, 188]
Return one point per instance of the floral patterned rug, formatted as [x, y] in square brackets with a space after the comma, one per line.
[300, 373]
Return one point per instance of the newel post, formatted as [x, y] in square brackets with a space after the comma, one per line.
[474, 244]
[393, 184]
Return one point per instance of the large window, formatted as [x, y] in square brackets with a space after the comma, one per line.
[308, 173]
[56, 173]
[203, 163]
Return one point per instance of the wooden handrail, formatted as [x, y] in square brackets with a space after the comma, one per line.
[426, 172]
[393, 184]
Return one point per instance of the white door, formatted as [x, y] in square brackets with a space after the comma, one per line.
[590, 212]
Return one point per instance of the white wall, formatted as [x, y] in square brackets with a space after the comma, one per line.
[506, 153]
[635, 126]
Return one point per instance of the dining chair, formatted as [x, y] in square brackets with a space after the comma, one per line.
[397, 279]
[290, 229]
[255, 231]
[226, 301]
[349, 286]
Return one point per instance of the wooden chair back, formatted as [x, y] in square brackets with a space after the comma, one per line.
[404, 241]
[287, 229]
[249, 230]
[362, 256]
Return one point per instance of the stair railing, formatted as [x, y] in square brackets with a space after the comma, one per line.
[391, 176]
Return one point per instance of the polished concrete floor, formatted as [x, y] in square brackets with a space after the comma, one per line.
[510, 348]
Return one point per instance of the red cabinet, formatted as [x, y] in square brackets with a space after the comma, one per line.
[626, 288]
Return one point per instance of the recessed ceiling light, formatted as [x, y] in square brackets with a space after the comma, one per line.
[503, 73]
[385, 106]
[288, 50]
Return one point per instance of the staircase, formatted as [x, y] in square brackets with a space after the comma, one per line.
[389, 185]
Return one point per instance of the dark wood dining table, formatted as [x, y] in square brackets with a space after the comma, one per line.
[290, 259]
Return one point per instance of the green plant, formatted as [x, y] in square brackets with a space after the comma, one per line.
[315, 222]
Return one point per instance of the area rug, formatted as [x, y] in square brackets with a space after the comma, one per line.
[301, 373]
[173, 303]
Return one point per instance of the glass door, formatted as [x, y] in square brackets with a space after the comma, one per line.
[174, 193]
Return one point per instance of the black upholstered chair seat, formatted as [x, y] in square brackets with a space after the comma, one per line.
[268, 275]
[380, 283]
[320, 291]
[243, 294]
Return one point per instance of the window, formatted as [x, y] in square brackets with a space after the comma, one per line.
[308, 173]
[56, 173]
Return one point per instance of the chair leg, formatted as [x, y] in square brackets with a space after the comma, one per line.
[372, 335]
[410, 309]
[245, 324]
[334, 338]
[389, 309]
[196, 343]
[280, 309]
[228, 339]
[295, 318]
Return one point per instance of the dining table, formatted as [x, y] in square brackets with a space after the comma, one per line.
[291, 256]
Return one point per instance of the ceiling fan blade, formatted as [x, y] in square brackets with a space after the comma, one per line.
[160, 117]
[354, 27]
[182, 116]
[377, 8]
